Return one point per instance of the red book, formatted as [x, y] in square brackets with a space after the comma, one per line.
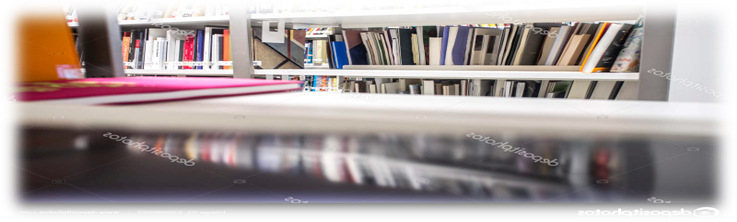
[129, 90]
[188, 50]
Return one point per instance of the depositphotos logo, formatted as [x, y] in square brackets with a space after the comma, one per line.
[705, 212]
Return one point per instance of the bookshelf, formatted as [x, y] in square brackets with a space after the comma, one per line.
[656, 50]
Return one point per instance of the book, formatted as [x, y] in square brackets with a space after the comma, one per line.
[628, 59]
[602, 56]
[561, 39]
[579, 89]
[199, 47]
[188, 50]
[547, 46]
[339, 54]
[444, 44]
[127, 90]
[405, 46]
[226, 47]
[434, 51]
[428, 87]
[457, 45]
[356, 50]
[600, 30]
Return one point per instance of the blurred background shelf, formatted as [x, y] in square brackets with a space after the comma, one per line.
[199, 72]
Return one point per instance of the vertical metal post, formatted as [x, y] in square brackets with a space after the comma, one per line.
[657, 50]
[241, 38]
[99, 37]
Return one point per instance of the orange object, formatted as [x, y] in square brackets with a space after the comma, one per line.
[46, 47]
[226, 47]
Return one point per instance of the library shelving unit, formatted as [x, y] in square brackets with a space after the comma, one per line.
[656, 51]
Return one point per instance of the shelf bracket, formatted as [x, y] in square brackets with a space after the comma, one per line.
[240, 33]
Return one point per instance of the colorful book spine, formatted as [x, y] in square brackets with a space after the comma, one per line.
[188, 50]
[628, 59]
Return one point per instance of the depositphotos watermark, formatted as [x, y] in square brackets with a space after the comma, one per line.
[705, 212]
[516, 150]
[685, 82]
[143, 147]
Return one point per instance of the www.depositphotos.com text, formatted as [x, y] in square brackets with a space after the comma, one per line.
[143, 147]
[515, 150]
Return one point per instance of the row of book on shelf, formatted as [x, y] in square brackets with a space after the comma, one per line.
[157, 49]
[594, 46]
[578, 89]
[206, 49]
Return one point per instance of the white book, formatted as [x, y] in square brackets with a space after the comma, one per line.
[207, 48]
[421, 46]
[149, 53]
[428, 87]
[154, 58]
[215, 51]
[435, 43]
[456, 89]
[388, 46]
[452, 33]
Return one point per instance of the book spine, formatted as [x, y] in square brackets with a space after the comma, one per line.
[200, 46]
[188, 50]
[226, 47]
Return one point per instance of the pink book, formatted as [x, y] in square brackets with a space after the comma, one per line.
[128, 90]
